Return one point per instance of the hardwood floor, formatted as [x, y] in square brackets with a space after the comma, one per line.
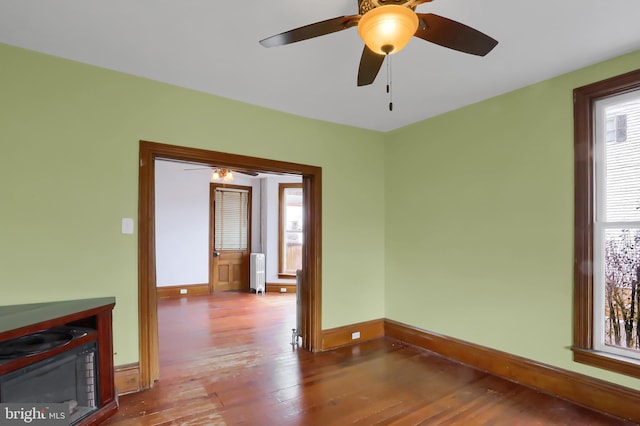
[227, 359]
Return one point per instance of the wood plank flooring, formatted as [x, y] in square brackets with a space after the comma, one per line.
[227, 359]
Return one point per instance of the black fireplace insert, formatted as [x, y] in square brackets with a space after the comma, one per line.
[68, 377]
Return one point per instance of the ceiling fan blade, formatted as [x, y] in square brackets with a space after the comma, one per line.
[244, 172]
[370, 64]
[454, 35]
[310, 31]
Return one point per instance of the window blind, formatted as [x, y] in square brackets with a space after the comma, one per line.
[231, 219]
[622, 171]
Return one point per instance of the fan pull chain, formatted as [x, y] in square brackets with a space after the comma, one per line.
[389, 82]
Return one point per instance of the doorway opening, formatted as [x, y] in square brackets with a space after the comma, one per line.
[311, 284]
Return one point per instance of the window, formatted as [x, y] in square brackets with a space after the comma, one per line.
[607, 224]
[291, 225]
[231, 219]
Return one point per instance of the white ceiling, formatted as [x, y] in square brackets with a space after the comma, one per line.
[212, 46]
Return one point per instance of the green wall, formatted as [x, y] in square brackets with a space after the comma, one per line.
[469, 236]
[479, 221]
[69, 137]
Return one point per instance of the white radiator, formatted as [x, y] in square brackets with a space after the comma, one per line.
[297, 332]
[257, 272]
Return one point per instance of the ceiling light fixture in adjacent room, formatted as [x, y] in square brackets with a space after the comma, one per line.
[224, 175]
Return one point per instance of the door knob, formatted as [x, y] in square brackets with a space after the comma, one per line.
[216, 254]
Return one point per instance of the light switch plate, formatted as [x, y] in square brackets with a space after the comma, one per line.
[127, 225]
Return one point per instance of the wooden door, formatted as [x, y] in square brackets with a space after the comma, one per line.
[228, 270]
[229, 242]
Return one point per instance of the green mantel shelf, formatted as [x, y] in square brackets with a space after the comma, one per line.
[17, 316]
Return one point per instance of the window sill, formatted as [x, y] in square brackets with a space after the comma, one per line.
[615, 363]
[287, 276]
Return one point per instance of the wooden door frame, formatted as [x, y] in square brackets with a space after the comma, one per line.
[212, 233]
[311, 291]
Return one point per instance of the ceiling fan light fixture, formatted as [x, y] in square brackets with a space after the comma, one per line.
[387, 29]
[224, 175]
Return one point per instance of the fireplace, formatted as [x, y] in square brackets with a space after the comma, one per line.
[69, 377]
[64, 357]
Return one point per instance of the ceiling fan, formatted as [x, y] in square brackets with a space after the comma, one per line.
[386, 26]
[222, 173]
